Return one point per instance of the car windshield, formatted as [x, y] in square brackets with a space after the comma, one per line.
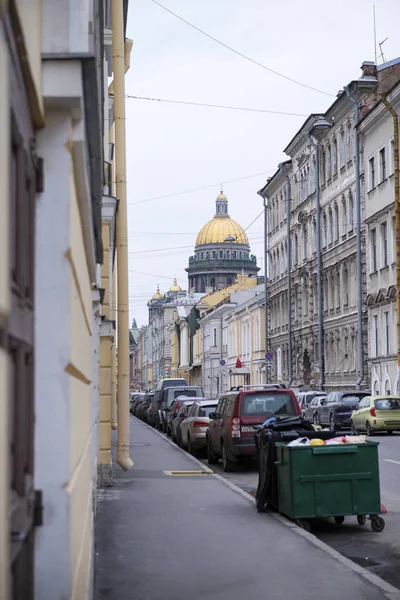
[204, 411]
[268, 404]
[388, 404]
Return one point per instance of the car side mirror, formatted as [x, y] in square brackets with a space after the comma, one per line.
[212, 415]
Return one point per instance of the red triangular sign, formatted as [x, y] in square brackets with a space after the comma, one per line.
[238, 363]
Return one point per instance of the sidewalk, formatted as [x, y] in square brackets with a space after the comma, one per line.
[163, 537]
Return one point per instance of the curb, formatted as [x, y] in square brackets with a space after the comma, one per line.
[390, 592]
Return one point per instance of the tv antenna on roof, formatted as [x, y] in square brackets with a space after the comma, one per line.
[382, 56]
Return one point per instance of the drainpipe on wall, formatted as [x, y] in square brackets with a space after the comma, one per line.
[118, 55]
[395, 116]
[358, 243]
[289, 268]
[266, 333]
[114, 424]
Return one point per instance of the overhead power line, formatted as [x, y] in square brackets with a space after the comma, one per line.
[255, 62]
[203, 187]
[258, 110]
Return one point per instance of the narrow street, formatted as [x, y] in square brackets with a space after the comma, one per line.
[164, 536]
[378, 552]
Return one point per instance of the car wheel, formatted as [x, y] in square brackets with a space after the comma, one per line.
[390, 432]
[228, 465]
[368, 428]
[212, 458]
[191, 450]
[316, 419]
[332, 425]
[168, 431]
[179, 439]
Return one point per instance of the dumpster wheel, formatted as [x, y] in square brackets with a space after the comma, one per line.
[303, 524]
[377, 523]
[361, 519]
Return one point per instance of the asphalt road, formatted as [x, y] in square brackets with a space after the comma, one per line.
[378, 552]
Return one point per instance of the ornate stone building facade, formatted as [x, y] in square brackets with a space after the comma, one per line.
[336, 146]
[222, 252]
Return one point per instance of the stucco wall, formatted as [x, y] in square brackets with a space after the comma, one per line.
[64, 415]
[4, 309]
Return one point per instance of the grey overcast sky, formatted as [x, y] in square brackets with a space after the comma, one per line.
[172, 148]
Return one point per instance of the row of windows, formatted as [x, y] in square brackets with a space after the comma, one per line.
[335, 154]
[224, 254]
[383, 343]
[335, 225]
[339, 292]
[245, 341]
[379, 245]
[378, 168]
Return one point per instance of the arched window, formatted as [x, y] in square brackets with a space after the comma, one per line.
[324, 231]
[329, 162]
[351, 213]
[323, 165]
[278, 263]
[338, 294]
[342, 149]
[336, 223]
[212, 283]
[305, 242]
[334, 157]
[314, 235]
[296, 250]
[344, 215]
[332, 294]
[330, 226]
[345, 286]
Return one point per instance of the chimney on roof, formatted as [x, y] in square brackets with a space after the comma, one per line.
[368, 69]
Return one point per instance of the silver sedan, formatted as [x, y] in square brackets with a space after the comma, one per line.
[193, 428]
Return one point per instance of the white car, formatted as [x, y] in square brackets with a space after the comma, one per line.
[193, 428]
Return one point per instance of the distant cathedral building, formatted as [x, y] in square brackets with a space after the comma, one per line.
[222, 252]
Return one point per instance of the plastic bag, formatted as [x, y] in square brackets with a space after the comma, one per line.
[356, 439]
[300, 442]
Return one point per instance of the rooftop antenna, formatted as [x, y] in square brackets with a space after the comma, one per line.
[382, 56]
[376, 53]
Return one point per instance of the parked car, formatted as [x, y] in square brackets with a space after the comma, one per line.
[379, 413]
[193, 428]
[337, 407]
[304, 398]
[143, 406]
[168, 396]
[138, 402]
[155, 412]
[230, 433]
[173, 411]
[311, 410]
[181, 415]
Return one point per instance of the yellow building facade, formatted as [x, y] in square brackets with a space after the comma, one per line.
[57, 341]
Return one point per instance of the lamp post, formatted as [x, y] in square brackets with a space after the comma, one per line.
[320, 125]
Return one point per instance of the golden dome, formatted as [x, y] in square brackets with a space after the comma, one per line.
[218, 229]
[175, 287]
[221, 226]
[158, 295]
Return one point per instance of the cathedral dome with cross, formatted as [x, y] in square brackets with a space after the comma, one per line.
[221, 254]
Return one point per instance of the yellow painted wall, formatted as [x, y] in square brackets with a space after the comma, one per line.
[105, 269]
[4, 310]
[105, 399]
[30, 14]
[79, 368]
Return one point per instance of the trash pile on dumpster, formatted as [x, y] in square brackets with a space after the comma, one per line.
[306, 473]
[336, 441]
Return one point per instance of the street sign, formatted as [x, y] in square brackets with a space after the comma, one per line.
[269, 356]
[222, 363]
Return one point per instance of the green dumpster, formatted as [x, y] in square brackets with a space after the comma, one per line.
[331, 480]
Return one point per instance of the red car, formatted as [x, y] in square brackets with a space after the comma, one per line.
[230, 433]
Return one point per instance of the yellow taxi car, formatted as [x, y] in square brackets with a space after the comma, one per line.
[377, 413]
